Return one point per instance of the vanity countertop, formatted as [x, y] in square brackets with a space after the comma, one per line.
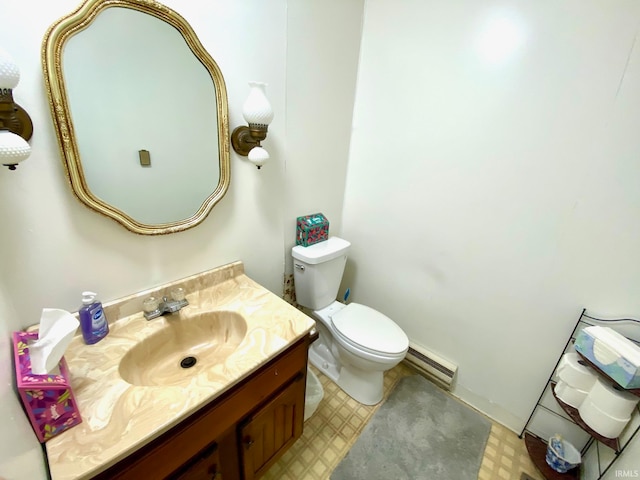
[118, 417]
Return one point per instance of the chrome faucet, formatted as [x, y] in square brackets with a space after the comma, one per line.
[153, 308]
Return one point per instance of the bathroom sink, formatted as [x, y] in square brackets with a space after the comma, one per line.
[184, 347]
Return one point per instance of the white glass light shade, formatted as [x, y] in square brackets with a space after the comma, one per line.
[9, 71]
[258, 156]
[13, 148]
[257, 109]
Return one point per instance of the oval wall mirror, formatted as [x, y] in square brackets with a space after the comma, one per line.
[140, 111]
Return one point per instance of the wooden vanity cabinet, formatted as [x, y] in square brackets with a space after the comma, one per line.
[238, 436]
[272, 429]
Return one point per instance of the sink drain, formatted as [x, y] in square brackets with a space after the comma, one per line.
[188, 362]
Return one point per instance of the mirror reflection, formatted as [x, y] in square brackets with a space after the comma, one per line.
[146, 111]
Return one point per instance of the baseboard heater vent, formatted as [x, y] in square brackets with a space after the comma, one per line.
[432, 366]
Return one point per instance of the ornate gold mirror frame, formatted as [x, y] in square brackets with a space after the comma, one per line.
[52, 51]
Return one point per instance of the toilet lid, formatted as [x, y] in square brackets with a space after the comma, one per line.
[367, 327]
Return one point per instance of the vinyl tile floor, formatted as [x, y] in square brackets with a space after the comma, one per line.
[337, 423]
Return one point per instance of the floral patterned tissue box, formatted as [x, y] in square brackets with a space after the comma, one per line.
[48, 399]
[311, 229]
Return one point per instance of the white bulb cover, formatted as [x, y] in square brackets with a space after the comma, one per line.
[13, 148]
[258, 156]
[256, 108]
[9, 71]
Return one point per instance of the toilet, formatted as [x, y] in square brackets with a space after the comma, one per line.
[357, 344]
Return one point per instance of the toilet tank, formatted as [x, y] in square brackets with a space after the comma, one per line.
[317, 271]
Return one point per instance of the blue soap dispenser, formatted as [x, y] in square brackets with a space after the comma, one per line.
[93, 321]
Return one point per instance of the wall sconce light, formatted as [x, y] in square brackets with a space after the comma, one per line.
[258, 113]
[15, 124]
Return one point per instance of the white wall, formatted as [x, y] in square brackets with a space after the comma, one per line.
[52, 247]
[322, 64]
[492, 187]
[487, 202]
[55, 247]
[20, 453]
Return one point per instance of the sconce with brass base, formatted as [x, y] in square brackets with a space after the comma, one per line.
[13, 117]
[258, 113]
[244, 138]
[16, 126]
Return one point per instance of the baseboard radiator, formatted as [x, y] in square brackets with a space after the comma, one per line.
[434, 367]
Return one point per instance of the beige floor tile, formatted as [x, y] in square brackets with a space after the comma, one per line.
[335, 426]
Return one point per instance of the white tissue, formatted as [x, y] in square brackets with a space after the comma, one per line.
[56, 331]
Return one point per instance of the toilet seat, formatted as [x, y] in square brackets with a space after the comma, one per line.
[369, 330]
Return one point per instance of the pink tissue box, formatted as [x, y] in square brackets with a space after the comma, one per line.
[48, 399]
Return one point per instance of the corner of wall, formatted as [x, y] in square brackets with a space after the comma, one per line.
[492, 410]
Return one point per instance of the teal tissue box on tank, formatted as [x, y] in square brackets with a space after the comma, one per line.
[311, 229]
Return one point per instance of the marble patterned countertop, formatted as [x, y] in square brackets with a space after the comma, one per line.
[119, 417]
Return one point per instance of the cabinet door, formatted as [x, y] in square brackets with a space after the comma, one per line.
[266, 434]
[205, 466]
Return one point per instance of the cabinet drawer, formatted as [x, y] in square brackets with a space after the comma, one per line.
[205, 465]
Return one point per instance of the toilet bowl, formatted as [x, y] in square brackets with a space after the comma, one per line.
[356, 343]
[355, 358]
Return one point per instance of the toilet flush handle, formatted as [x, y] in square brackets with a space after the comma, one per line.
[299, 266]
